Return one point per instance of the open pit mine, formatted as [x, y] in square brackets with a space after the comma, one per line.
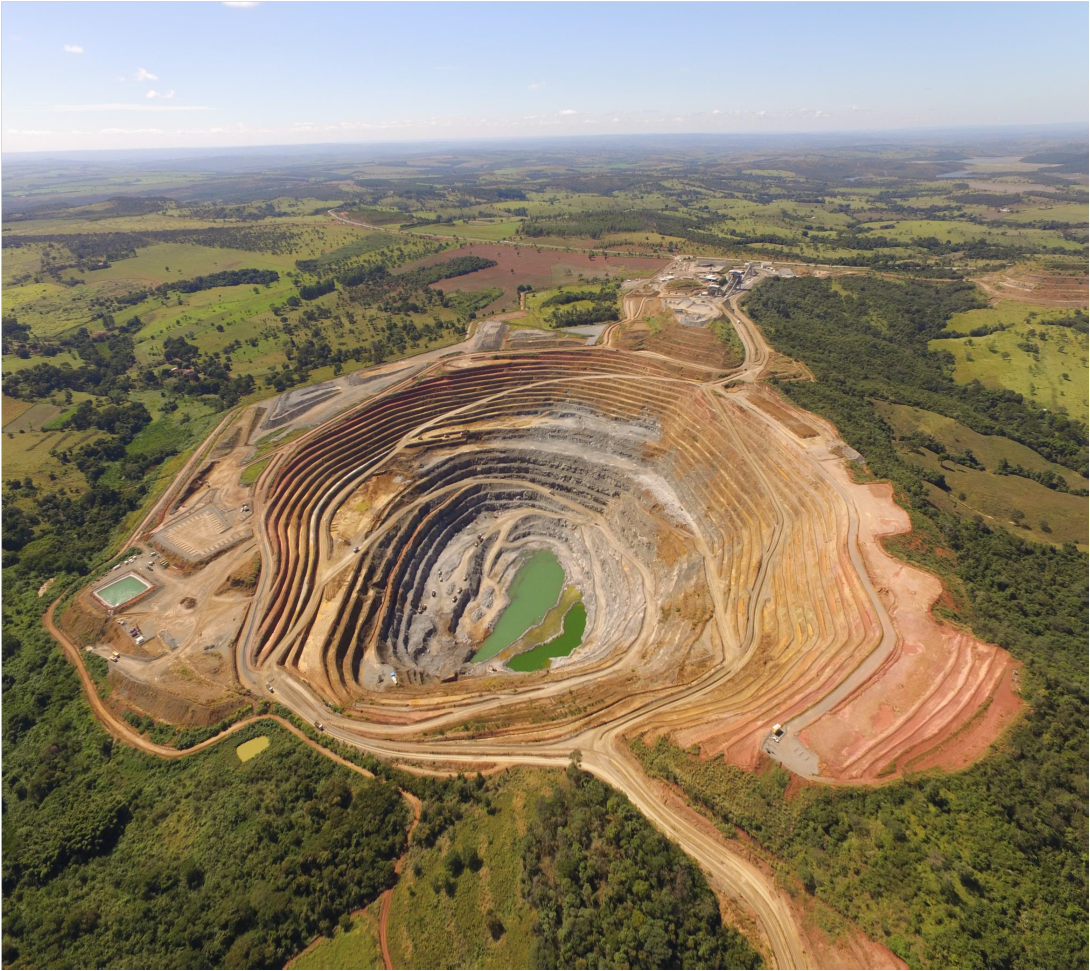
[727, 556]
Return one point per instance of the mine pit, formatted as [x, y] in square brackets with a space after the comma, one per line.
[539, 544]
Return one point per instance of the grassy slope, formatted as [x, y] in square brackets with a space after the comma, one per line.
[998, 362]
[995, 496]
[355, 947]
[428, 928]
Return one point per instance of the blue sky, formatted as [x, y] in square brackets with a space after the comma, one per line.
[143, 75]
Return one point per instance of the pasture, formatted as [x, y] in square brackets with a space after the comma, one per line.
[1049, 369]
[994, 496]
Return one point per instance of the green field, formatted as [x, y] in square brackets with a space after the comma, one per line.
[429, 928]
[1049, 369]
[1005, 314]
[995, 497]
[353, 947]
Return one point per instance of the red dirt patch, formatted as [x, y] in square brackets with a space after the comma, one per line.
[939, 699]
[517, 265]
[852, 949]
[1032, 284]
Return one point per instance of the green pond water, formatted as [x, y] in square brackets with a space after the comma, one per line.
[122, 590]
[575, 622]
[534, 592]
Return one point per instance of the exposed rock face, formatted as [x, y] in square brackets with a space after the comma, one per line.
[569, 462]
[716, 536]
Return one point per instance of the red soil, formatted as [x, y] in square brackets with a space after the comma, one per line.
[941, 697]
[517, 265]
[852, 949]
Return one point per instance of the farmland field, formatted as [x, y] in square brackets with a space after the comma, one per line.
[1046, 364]
[538, 268]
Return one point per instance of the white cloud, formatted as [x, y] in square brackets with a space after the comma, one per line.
[716, 111]
[159, 94]
[73, 49]
[536, 85]
[568, 111]
[144, 75]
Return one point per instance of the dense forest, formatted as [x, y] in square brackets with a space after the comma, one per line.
[982, 868]
[609, 891]
[872, 341]
[113, 858]
[225, 278]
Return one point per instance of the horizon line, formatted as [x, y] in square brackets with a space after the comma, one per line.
[476, 139]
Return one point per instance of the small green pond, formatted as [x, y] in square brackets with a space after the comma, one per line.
[575, 623]
[123, 590]
[534, 592]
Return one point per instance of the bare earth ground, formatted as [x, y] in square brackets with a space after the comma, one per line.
[1033, 285]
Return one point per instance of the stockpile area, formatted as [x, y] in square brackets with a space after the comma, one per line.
[694, 345]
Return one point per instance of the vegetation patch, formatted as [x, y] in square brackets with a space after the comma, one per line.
[253, 471]
[354, 945]
[609, 889]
